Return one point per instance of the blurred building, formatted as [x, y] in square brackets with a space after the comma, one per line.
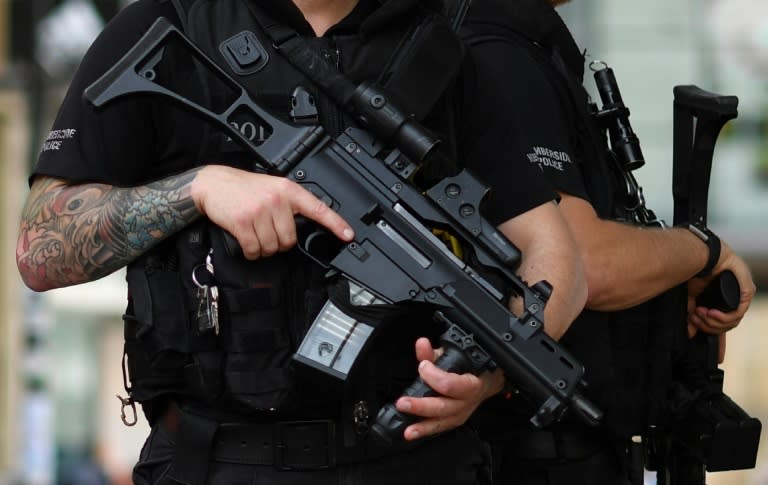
[13, 165]
[60, 352]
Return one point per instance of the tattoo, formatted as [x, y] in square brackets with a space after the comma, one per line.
[76, 233]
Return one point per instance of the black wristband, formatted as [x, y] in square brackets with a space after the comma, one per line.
[713, 243]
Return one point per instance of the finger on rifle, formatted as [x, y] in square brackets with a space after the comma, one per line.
[720, 348]
[313, 208]
[427, 427]
[284, 227]
[250, 246]
[267, 237]
[447, 383]
[425, 351]
[719, 319]
[713, 321]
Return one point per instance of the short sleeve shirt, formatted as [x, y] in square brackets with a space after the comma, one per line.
[137, 139]
[537, 136]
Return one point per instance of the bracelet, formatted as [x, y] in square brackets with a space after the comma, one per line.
[713, 243]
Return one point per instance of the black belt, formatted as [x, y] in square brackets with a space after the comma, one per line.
[286, 445]
[548, 445]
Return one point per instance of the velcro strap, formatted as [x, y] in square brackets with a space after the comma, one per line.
[245, 300]
[257, 382]
[255, 341]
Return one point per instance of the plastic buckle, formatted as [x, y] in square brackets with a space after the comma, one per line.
[244, 53]
[305, 445]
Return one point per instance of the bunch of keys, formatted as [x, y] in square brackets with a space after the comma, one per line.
[207, 315]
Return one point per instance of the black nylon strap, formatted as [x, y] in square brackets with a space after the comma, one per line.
[713, 244]
[182, 7]
[419, 71]
[296, 49]
[194, 441]
[423, 66]
[256, 382]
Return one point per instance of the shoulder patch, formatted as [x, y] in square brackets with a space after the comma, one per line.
[548, 158]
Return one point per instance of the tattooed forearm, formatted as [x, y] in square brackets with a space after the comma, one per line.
[76, 233]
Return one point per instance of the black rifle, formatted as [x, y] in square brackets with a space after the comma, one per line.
[695, 427]
[395, 255]
[707, 431]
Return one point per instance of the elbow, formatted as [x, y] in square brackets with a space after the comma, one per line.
[598, 287]
[581, 288]
[31, 274]
[31, 277]
[595, 290]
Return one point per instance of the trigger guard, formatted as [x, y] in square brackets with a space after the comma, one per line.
[320, 239]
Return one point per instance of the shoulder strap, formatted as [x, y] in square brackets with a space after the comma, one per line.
[535, 20]
[182, 7]
[419, 71]
[424, 65]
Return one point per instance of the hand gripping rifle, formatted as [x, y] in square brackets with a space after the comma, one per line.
[395, 256]
[694, 427]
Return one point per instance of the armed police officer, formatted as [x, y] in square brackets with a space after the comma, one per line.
[627, 264]
[210, 333]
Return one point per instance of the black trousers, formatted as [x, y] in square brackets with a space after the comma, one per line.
[455, 458]
[600, 466]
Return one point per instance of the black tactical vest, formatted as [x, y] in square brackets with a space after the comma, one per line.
[264, 306]
[612, 346]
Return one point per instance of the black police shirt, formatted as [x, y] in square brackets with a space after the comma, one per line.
[137, 139]
[609, 345]
[537, 132]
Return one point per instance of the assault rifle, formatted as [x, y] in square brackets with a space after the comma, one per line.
[706, 431]
[395, 256]
[693, 425]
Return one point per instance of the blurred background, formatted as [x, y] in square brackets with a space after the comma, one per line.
[61, 351]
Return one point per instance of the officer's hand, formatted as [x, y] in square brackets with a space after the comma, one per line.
[460, 395]
[715, 321]
[258, 210]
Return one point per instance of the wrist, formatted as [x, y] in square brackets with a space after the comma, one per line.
[197, 188]
[710, 239]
